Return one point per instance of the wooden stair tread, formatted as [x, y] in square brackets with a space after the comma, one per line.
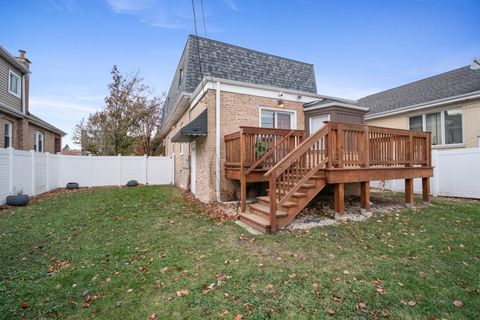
[308, 185]
[286, 204]
[296, 194]
[255, 218]
[266, 210]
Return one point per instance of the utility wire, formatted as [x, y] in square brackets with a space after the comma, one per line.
[203, 16]
[196, 38]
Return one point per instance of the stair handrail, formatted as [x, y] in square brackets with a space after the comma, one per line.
[269, 152]
[285, 163]
[298, 151]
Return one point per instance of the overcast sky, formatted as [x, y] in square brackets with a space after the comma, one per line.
[357, 47]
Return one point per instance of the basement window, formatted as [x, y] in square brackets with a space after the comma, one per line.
[8, 134]
[38, 141]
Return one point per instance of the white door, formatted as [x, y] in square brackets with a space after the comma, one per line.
[316, 122]
[193, 167]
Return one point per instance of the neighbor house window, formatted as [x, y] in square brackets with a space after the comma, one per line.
[8, 135]
[38, 141]
[446, 126]
[277, 119]
[14, 84]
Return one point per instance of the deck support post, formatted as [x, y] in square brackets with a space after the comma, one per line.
[339, 198]
[243, 193]
[364, 196]
[409, 193]
[426, 190]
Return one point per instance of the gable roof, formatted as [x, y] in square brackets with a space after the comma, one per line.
[11, 59]
[449, 84]
[230, 62]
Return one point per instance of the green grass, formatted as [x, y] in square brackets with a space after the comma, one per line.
[152, 241]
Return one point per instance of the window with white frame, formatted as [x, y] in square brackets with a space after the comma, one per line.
[8, 127]
[278, 119]
[38, 141]
[446, 126]
[14, 84]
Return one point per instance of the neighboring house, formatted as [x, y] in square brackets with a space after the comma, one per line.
[21, 129]
[447, 105]
[241, 87]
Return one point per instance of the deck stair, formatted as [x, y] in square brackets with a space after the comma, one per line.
[297, 167]
[293, 182]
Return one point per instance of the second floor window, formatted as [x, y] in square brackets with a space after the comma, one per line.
[8, 135]
[14, 85]
[38, 141]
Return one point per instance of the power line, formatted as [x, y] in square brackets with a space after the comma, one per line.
[203, 16]
[196, 38]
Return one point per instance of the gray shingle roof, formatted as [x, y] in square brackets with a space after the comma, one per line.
[452, 83]
[230, 62]
[196, 127]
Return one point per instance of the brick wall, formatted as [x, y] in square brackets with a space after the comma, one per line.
[236, 110]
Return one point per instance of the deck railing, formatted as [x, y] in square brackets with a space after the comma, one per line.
[350, 145]
[254, 147]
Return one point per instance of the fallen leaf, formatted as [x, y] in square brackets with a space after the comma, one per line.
[153, 316]
[108, 280]
[346, 272]
[129, 290]
[183, 292]
[458, 303]
[381, 290]
[331, 312]
[412, 303]
[238, 317]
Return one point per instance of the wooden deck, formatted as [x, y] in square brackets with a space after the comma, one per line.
[298, 167]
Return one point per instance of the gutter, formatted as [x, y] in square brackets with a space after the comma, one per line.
[424, 105]
[346, 105]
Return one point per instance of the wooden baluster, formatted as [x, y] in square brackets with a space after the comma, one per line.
[273, 202]
[367, 146]
[243, 177]
[340, 145]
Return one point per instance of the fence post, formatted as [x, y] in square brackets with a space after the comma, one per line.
[90, 161]
[47, 157]
[32, 154]
[119, 157]
[10, 187]
[145, 174]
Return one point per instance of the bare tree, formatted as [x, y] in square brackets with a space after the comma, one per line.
[127, 123]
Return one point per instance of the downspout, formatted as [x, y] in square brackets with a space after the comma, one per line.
[217, 142]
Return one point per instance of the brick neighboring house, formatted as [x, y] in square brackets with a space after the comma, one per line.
[447, 104]
[238, 87]
[21, 129]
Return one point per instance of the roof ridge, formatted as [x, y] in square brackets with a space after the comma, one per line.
[248, 49]
[414, 82]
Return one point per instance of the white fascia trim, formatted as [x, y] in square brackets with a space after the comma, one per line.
[262, 90]
[335, 104]
[425, 105]
[179, 108]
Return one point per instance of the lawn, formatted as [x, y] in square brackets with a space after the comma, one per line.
[145, 252]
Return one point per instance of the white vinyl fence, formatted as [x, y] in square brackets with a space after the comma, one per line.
[456, 173]
[33, 173]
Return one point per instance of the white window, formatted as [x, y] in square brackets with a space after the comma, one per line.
[272, 118]
[8, 135]
[181, 149]
[316, 122]
[38, 144]
[14, 85]
[446, 126]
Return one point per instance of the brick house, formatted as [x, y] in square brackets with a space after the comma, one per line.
[217, 88]
[21, 129]
[448, 105]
